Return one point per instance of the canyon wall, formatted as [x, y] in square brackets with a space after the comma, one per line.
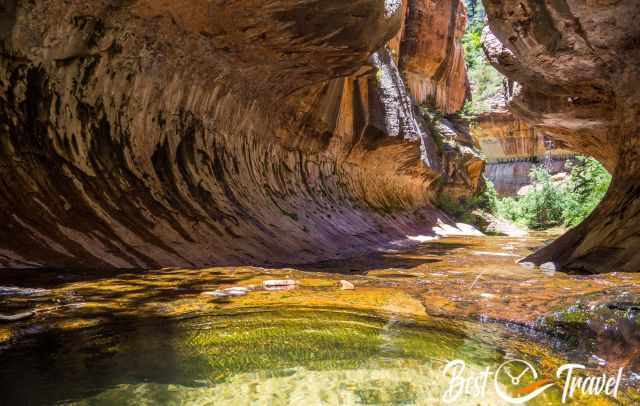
[512, 147]
[431, 54]
[138, 134]
[577, 65]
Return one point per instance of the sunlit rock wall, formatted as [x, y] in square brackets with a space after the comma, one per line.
[432, 57]
[512, 147]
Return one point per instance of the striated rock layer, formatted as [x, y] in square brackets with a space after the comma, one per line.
[166, 133]
[432, 57]
[513, 147]
[578, 64]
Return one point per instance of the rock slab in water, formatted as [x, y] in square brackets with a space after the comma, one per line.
[17, 291]
[233, 291]
[16, 317]
[346, 285]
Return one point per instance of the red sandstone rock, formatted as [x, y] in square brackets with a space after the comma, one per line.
[432, 57]
[579, 66]
[196, 132]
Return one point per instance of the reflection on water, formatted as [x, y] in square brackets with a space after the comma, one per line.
[288, 357]
[170, 337]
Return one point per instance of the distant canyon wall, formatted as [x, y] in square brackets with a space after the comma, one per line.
[512, 148]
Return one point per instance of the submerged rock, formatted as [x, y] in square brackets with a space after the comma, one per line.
[346, 285]
[17, 291]
[16, 317]
[272, 283]
[606, 327]
[215, 293]
[234, 291]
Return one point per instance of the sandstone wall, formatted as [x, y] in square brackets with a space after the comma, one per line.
[578, 66]
[512, 147]
[432, 57]
[165, 133]
[510, 177]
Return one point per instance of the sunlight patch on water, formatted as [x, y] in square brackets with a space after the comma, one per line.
[421, 238]
[460, 229]
[382, 382]
[494, 254]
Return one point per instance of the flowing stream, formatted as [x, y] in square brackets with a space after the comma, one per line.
[224, 335]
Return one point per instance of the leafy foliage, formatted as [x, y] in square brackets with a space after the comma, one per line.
[462, 209]
[542, 207]
[486, 82]
[589, 183]
[548, 204]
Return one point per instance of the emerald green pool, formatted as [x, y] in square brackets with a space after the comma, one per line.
[162, 337]
[289, 356]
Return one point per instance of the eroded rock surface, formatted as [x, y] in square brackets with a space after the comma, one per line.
[579, 66]
[149, 134]
[513, 146]
[432, 57]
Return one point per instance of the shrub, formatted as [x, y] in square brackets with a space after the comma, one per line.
[549, 204]
[462, 209]
[588, 184]
[486, 82]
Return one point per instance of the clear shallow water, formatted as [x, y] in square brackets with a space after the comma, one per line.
[288, 356]
[158, 337]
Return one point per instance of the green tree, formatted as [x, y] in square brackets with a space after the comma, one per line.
[548, 204]
[588, 185]
[486, 82]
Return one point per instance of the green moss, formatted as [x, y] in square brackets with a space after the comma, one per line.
[319, 340]
[574, 315]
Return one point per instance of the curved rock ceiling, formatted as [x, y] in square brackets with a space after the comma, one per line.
[164, 133]
[578, 64]
[188, 133]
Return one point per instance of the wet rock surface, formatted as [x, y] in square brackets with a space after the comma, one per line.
[464, 277]
[474, 283]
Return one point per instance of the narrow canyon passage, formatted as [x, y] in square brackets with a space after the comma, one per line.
[576, 68]
[283, 202]
[131, 139]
